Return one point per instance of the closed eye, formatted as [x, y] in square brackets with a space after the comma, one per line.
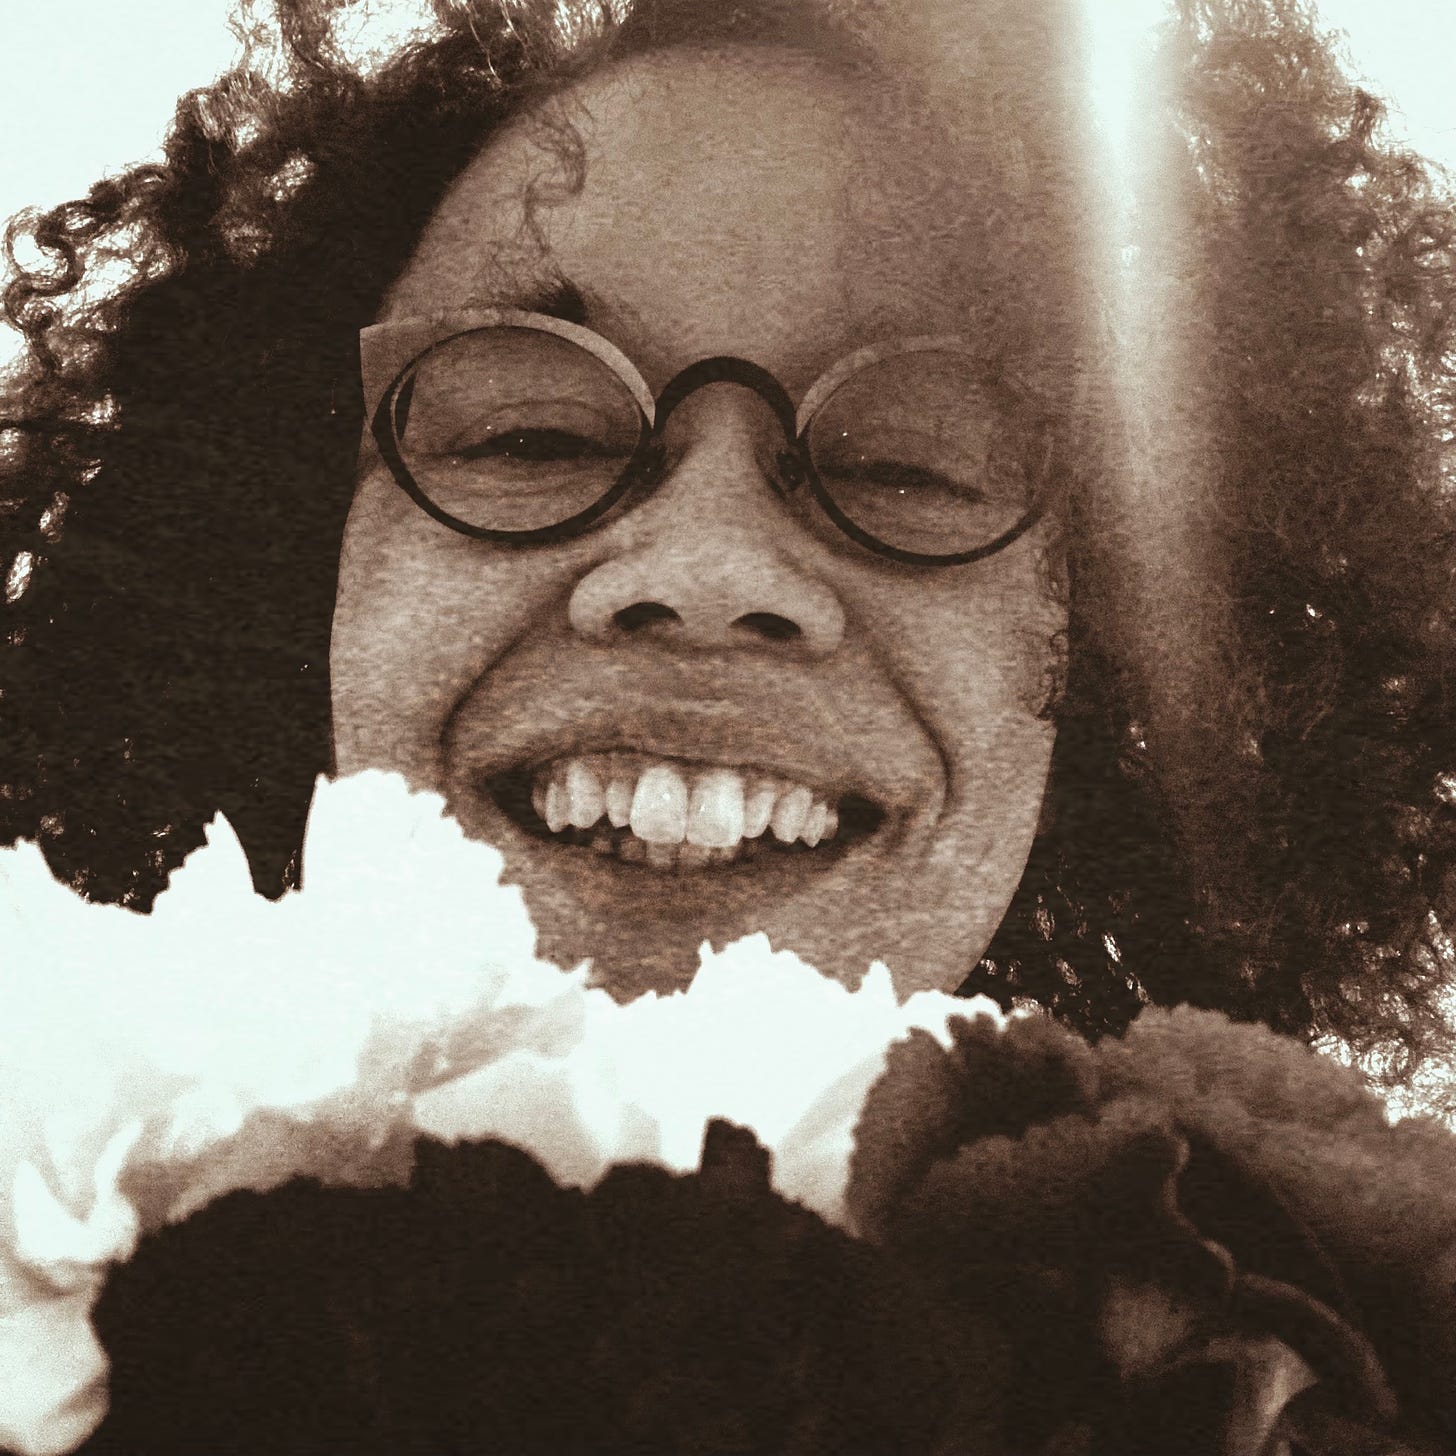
[527, 445]
[908, 479]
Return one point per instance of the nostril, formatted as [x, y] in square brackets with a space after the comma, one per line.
[642, 614]
[770, 625]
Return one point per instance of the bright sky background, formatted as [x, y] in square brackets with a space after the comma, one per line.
[89, 86]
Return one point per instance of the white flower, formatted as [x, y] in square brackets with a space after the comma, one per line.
[133, 1041]
[52, 1368]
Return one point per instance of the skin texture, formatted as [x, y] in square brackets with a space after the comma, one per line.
[730, 203]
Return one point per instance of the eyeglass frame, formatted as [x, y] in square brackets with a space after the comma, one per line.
[795, 461]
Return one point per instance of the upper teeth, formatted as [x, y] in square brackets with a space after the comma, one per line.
[668, 803]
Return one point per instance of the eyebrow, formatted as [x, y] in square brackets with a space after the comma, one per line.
[557, 297]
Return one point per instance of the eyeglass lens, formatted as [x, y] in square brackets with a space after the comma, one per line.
[516, 429]
[917, 453]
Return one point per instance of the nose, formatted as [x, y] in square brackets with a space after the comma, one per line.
[702, 563]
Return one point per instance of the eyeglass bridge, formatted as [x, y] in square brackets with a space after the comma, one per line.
[731, 369]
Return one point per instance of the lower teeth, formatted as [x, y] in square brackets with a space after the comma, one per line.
[670, 856]
[624, 845]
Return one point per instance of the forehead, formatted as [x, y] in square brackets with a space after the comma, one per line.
[735, 201]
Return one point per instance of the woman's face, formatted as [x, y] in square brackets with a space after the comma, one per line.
[715, 643]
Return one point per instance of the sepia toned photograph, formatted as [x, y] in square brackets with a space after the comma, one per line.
[728, 727]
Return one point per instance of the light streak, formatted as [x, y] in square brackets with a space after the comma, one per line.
[1143, 321]
[1151, 382]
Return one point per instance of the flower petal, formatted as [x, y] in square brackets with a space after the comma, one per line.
[52, 1376]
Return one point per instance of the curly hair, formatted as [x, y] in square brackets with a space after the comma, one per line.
[1274, 836]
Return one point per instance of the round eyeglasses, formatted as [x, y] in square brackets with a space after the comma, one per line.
[524, 429]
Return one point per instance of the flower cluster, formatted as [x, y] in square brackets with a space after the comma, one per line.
[356, 1171]
[151, 1064]
[1198, 1239]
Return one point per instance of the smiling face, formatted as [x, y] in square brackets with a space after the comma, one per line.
[716, 660]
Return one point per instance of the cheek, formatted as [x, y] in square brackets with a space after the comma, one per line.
[982, 646]
[420, 615]
[982, 664]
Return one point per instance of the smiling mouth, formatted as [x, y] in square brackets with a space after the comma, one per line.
[670, 814]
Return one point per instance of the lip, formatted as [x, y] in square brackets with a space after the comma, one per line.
[837, 755]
